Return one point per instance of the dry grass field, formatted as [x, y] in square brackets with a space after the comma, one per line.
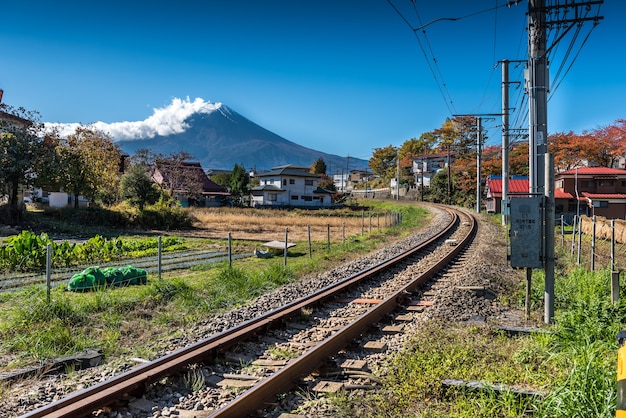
[267, 225]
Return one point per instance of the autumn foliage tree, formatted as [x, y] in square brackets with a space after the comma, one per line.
[20, 147]
[383, 161]
[89, 165]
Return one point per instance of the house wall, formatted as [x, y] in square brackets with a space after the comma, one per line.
[297, 191]
[616, 209]
[590, 185]
[58, 199]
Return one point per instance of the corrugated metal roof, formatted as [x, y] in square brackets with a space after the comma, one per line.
[592, 171]
[494, 186]
[560, 194]
[288, 170]
[604, 195]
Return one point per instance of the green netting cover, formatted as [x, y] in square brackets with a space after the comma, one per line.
[113, 275]
[87, 279]
[93, 277]
[134, 275]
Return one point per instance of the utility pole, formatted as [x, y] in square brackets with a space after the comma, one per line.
[505, 142]
[398, 174]
[540, 171]
[479, 142]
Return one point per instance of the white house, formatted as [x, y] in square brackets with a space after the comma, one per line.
[426, 166]
[290, 186]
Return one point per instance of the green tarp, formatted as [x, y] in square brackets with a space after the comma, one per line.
[94, 277]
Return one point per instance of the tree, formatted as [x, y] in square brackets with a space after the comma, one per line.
[222, 179]
[176, 176]
[239, 184]
[438, 190]
[137, 188]
[89, 164]
[20, 146]
[318, 167]
[416, 147]
[383, 161]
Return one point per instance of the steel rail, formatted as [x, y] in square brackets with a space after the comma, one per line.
[84, 402]
[286, 378]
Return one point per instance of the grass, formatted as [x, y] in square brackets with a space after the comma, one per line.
[574, 364]
[138, 321]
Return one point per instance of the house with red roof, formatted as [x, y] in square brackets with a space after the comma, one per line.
[597, 191]
[519, 186]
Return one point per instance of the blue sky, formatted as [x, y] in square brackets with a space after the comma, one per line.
[343, 77]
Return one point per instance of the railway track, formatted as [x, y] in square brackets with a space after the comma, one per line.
[307, 333]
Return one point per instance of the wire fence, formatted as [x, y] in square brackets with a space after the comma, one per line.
[604, 245]
[49, 276]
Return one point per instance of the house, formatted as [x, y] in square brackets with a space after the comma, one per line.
[426, 166]
[341, 181]
[290, 186]
[597, 191]
[189, 184]
[518, 185]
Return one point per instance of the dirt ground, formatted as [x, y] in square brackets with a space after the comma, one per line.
[271, 225]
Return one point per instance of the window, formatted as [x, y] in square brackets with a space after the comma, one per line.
[307, 198]
[308, 182]
[294, 197]
[284, 182]
[272, 197]
[292, 181]
[606, 183]
[586, 183]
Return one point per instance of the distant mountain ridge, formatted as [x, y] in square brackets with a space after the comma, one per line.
[221, 138]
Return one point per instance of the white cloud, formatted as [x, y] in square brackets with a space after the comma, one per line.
[164, 121]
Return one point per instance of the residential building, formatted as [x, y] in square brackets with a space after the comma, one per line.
[426, 166]
[518, 186]
[597, 191]
[290, 186]
[189, 184]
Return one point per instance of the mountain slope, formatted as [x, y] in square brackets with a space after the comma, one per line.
[222, 138]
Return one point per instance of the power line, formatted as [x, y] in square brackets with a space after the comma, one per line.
[439, 85]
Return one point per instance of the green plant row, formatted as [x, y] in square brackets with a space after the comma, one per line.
[28, 251]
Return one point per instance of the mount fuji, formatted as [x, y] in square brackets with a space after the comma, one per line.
[218, 137]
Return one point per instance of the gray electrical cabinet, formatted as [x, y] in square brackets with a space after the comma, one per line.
[526, 235]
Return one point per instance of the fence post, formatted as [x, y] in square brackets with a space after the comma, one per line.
[580, 234]
[593, 244]
[230, 250]
[575, 223]
[562, 232]
[614, 287]
[328, 236]
[48, 270]
[285, 251]
[612, 244]
[310, 248]
[159, 260]
[370, 221]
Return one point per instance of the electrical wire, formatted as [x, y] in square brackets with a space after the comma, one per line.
[441, 91]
